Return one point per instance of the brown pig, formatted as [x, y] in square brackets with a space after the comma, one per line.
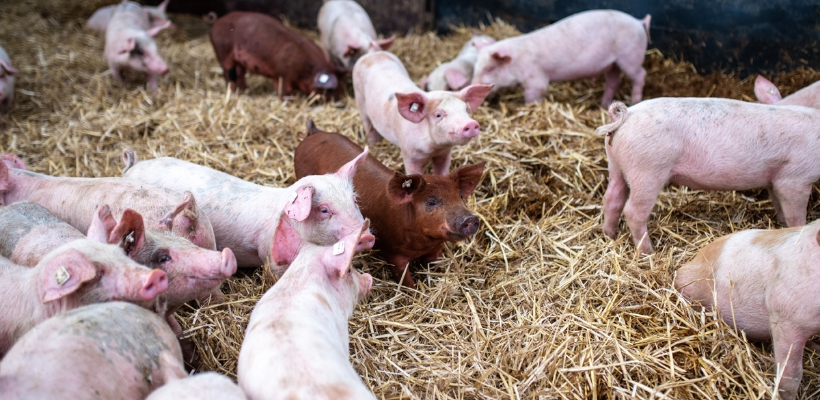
[412, 215]
[258, 43]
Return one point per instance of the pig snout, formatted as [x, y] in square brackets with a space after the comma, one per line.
[467, 225]
[154, 284]
[228, 263]
[366, 241]
[470, 130]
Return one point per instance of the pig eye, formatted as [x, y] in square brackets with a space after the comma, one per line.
[163, 257]
[438, 115]
[324, 210]
[432, 202]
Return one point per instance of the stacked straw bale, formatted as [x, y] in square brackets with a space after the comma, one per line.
[539, 304]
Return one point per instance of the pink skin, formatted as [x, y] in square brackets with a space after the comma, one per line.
[248, 217]
[297, 337]
[105, 351]
[94, 272]
[149, 17]
[346, 32]
[710, 144]
[425, 125]
[7, 72]
[767, 93]
[201, 386]
[611, 41]
[129, 47]
[456, 74]
[765, 284]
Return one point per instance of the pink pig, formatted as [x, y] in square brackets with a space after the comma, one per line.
[424, 125]
[7, 73]
[763, 282]
[455, 74]
[201, 386]
[111, 350]
[710, 144]
[248, 217]
[767, 93]
[129, 47]
[150, 17]
[346, 32]
[81, 272]
[583, 45]
[297, 345]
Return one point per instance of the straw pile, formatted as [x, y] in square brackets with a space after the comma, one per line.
[539, 304]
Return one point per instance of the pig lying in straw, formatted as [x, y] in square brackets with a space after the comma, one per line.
[258, 43]
[104, 351]
[584, 45]
[424, 125]
[413, 215]
[455, 74]
[201, 386]
[764, 283]
[346, 32]
[710, 144]
[248, 217]
[767, 93]
[151, 17]
[297, 344]
[81, 272]
[129, 47]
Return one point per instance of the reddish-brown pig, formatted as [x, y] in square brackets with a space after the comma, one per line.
[412, 215]
[258, 43]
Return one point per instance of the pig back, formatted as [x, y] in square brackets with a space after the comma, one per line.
[30, 231]
[325, 152]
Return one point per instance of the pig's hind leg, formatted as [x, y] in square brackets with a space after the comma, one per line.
[793, 198]
[788, 349]
[615, 197]
[778, 209]
[613, 79]
[642, 196]
[637, 74]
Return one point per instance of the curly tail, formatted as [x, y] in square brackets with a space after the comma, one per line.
[645, 23]
[129, 158]
[617, 112]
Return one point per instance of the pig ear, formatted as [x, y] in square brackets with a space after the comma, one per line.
[351, 51]
[348, 170]
[65, 273]
[765, 91]
[311, 128]
[129, 45]
[424, 81]
[12, 161]
[286, 243]
[501, 58]
[467, 178]
[101, 224]
[402, 187]
[157, 29]
[456, 80]
[162, 6]
[300, 203]
[6, 66]
[482, 42]
[129, 233]
[186, 209]
[337, 258]
[129, 158]
[412, 106]
[474, 95]
[386, 43]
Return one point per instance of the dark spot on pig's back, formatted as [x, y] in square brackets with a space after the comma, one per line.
[769, 240]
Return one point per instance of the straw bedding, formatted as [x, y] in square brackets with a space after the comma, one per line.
[539, 304]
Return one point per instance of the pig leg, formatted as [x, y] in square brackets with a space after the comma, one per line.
[535, 91]
[240, 77]
[431, 256]
[638, 208]
[778, 209]
[614, 199]
[637, 74]
[441, 164]
[398, 266]
[117, 74]
[152, 82]
[413, 165]
[788, 343]
[175, 326]
[793, 198]
[613, 79]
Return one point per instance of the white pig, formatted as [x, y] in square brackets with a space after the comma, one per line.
[248, 217]
[203, 386]
[151, 17]
[7, 73]
[455, 74]
[764, 283]
[767, 93]
[709, 144]
[297, 345]
[346, 32]
[584, 45]
[424, 125]
[129, 47]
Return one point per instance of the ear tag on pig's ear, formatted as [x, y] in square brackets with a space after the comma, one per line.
[61, 276]
[338, 248]
[414, 107]
[772, 91]
[130, 238]
[293, 197]
[323, 78]
[407, 183]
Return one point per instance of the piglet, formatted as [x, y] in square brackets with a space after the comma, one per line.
[413, 215]
[76, 274]
[202, 386]
[130, 47]
[709, 144]
[251, 219]
[296, 345]
[456, 74]
[764, 283]
[424, 125]
[150, 17]
[7, 73]
[103, 351]
[767, 93]
[258, 43]
[583, 45]
[346, 32]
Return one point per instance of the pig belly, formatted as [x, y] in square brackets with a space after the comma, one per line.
[255, 62]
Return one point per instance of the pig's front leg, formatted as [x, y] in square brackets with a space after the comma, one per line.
[793, 198]
[788, 349]
[400, 265]
[432, 256]
[441, 164]
[152, 82]
[535, 91]
[413, 165]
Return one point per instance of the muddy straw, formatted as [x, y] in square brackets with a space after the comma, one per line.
[539, 304]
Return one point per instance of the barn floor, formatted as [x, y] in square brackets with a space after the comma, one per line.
[539, 304]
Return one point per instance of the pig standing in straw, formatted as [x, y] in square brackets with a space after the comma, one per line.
[347, 33]
[424, 125]
[584, 45]
[764, 283]
[152, 17]
[456, 74]
[7, 73]
[297, 344]
[129, 47]
[767, 93]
